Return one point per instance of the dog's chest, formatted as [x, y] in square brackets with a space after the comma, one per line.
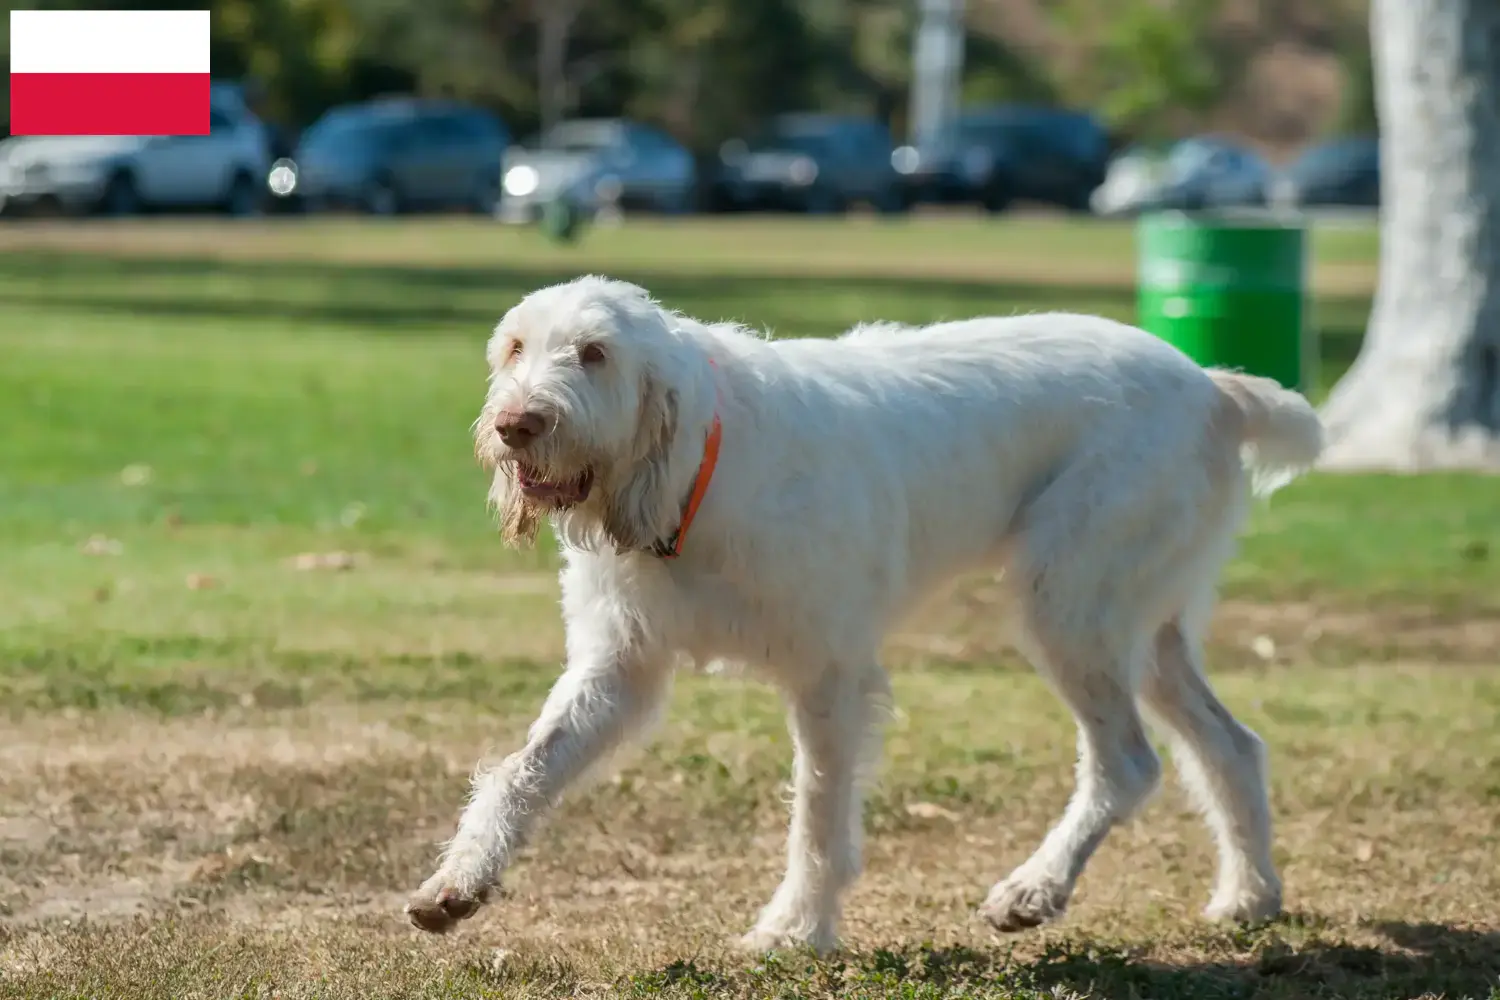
[725, 619]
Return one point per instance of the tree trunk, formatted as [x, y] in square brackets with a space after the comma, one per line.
[1424, 392]
[555, 19]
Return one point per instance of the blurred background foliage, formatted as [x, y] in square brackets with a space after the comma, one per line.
[1277, 72]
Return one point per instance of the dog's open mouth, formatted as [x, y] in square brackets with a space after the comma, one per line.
[553, 492]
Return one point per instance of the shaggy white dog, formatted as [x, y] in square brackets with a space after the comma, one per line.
[778, 505]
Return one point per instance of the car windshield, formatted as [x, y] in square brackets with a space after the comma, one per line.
[1192, 157]
[795, 138]
[581, 137]
[1344, 154]
[350, 129]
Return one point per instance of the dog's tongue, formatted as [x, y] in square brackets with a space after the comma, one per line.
[571, 491]
[551, 491]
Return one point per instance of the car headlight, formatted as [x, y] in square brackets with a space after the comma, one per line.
[802, 171]
[282, 180]
[906, 159]
[521, 181]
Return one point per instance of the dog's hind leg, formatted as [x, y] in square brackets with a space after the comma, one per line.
[835, 725]
[1223, 765]
[1117, 771]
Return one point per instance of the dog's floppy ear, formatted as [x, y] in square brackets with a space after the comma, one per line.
[642, 512]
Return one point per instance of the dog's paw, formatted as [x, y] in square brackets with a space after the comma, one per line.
[762, 940]
[1021, 902]
[1245, 905]
[436, 908]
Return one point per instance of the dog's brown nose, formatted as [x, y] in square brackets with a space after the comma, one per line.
[519, 428]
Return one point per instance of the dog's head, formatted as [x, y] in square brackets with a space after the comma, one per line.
[581, 414]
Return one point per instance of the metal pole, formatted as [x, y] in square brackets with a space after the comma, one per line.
[937, 68]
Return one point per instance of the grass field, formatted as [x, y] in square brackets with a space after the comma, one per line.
[224, 762]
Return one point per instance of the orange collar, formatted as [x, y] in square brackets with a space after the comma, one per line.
[671, 548]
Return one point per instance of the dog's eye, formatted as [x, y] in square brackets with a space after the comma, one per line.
[591, 354]
[514, 352]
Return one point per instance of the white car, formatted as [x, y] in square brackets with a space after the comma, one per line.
[123, 175]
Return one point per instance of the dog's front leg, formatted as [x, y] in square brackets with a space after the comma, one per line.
[834, 722]
[593, 708]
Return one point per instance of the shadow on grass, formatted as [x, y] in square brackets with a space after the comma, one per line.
[186, 675]
[1424, 959]
[427, 300]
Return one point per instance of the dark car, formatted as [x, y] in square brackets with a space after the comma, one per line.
[815, 163]
[1203, 173]
[595, 162]
[397, 155]
[1343, 172]
[998, 155]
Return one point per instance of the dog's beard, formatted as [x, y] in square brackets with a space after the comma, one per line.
[546, 482]
[518, 517]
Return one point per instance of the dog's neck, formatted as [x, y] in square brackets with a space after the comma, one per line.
[671, 547]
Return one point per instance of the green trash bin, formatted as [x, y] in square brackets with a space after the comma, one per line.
[1228, 293]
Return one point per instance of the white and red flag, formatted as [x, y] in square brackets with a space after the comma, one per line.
[109, 72]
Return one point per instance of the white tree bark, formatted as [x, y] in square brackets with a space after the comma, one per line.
[1424, 392]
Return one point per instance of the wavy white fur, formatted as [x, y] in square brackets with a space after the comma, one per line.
[1101, 469]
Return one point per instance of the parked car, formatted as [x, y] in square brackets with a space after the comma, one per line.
[1136, 173]
[599, 161]
[396, 155]
[124, 175]
[1203, 172]
[997, 155]
[806, 162]
[1342, 172]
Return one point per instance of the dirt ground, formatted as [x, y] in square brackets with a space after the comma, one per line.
[253, 847]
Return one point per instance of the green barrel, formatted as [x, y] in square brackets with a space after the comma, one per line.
[1227, 293]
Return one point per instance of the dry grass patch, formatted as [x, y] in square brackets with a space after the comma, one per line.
[258, 851]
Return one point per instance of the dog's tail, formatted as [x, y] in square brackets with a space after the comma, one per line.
[1282, 435]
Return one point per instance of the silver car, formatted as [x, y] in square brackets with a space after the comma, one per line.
[125, 174]
[594, 163]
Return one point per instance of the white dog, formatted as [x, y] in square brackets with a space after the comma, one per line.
[779, 505]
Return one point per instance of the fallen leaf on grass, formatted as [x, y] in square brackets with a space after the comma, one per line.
[101, 545]
[930, 810]
[200, 581]
[306, 561]
[135, 475]
[217, 867]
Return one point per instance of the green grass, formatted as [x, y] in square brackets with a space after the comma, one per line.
[233, 767]
[271, 377]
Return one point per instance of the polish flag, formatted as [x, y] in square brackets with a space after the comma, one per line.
[109, 72]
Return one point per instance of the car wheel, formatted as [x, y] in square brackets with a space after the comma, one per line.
[120, 197]
[995, 198]
[895, 200]
[1078, 200]
[821, 200]
[380, 198]
[675, 202]
[243, 198]
[486, 197]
